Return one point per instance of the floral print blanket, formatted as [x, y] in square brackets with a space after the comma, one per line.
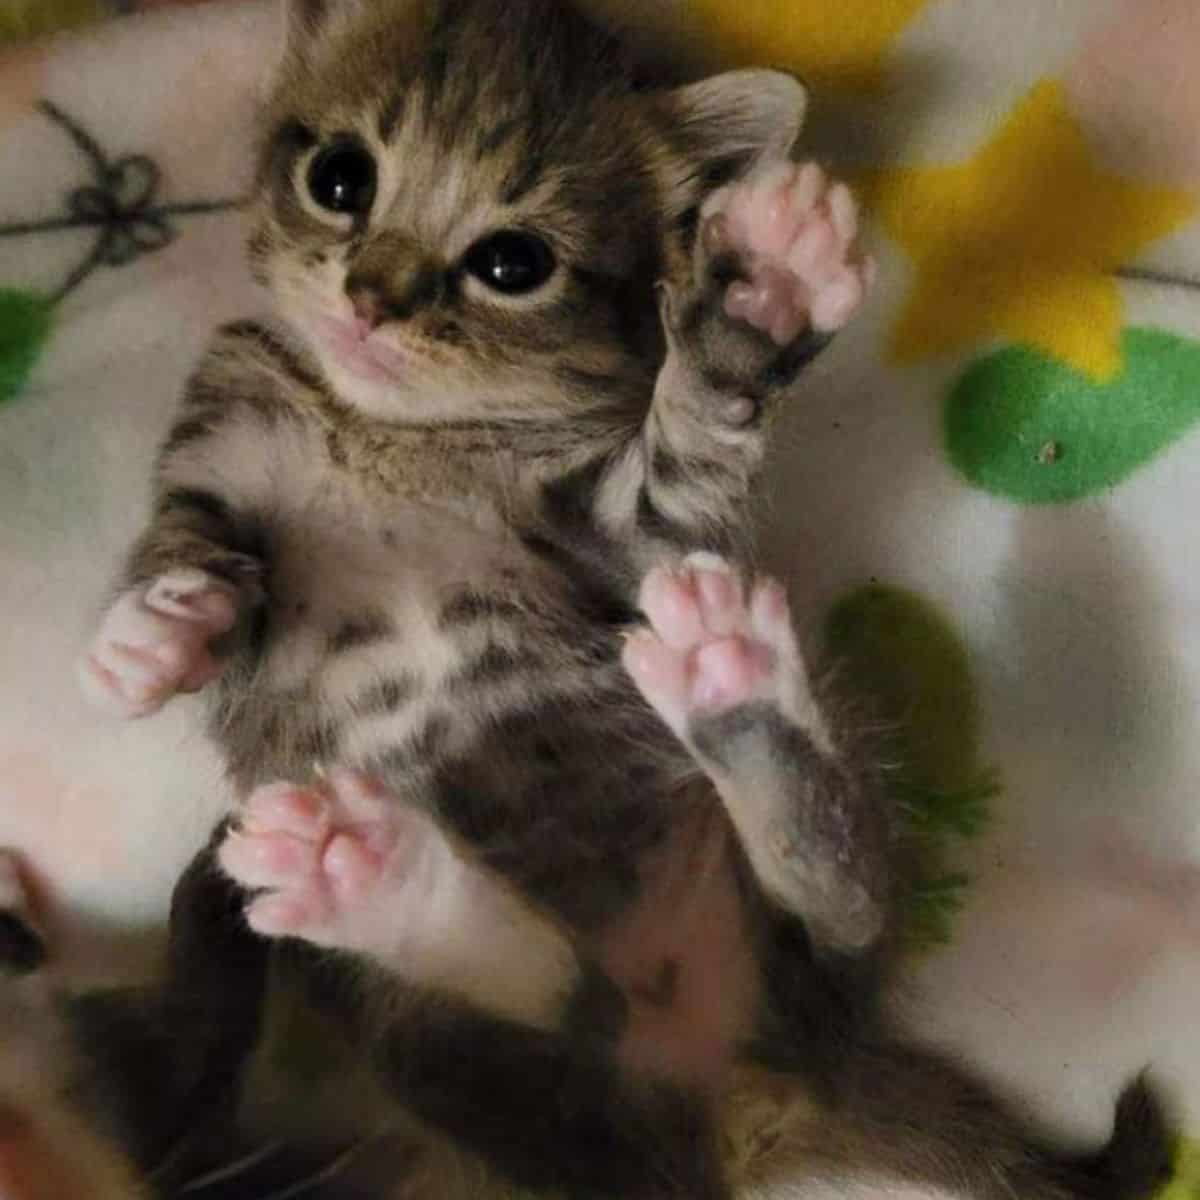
[984, 494]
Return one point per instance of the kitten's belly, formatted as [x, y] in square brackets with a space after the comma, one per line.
[358, 650]
[367, 580]
[683, 956]
[681, 950]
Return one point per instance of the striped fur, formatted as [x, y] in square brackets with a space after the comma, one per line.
[437, 557]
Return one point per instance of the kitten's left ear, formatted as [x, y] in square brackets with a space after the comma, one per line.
[738, 116]
[750, 112]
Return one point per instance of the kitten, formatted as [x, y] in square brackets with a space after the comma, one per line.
[607, 913]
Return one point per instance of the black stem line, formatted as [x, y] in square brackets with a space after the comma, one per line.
[81, 272]
[55, 224]
[115, 221]
[81, 138]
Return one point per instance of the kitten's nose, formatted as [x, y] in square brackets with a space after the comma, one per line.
[368, 311]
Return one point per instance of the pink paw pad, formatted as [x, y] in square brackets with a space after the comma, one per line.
[327, 862]
[795, 231]
[154, 642]
[714, 643]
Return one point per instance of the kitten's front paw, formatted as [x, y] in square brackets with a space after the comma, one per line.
[715, 645]
[344, 864]
[154, 642]
[792, 232]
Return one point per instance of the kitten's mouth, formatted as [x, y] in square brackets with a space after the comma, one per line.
[361, 352]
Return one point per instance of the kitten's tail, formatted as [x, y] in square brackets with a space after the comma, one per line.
[1137, 1162]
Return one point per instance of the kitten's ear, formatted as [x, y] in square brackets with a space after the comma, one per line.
[727, 121]
[742, 113]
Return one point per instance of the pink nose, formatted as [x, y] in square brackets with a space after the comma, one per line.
[368, 313]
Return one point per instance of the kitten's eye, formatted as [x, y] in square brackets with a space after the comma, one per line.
[511, 262]
[342, 178]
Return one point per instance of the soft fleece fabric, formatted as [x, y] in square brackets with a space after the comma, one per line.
[984, 495]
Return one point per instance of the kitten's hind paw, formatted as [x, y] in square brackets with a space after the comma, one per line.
[349, 866]
[793, 233]
[154, 642]
[343, 864]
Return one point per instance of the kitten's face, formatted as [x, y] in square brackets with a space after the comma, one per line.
[464, 205]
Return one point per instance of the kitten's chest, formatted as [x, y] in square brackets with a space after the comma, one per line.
[354, 522]
[397, 628]
[350, 570]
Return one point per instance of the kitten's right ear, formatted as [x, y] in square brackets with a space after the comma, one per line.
[748, 113]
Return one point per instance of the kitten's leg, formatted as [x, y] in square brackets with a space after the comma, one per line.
[167, 1061]
[775, 274]
[721, 665]
[509, 1043]
[909, 1122]
[187, 582]
[350, 867]
[52, 1144]
[199, 563]
[155, 642]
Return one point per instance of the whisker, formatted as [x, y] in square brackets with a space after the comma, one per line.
[237, 1167]
[171, 1158]
[325, 1174]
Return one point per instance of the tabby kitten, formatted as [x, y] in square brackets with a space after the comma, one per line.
[609, 915]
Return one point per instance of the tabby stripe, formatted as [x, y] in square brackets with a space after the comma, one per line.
[319, 742]
[525, 177]
[190, 429]
[264, 339]
[571, 499]
[361, 631]
[491, 141]
[470, 607]
[670, 469]
[423, 748]
[495, 664]
[594, 601]
[386, 696]
[652, 520]
[389, 116]
[196, 500]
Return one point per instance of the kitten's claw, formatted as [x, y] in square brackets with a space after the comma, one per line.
[154, 642]
[794, 232]
[342, 864]
[714, 644]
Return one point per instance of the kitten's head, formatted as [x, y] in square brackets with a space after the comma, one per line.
[464, 204]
